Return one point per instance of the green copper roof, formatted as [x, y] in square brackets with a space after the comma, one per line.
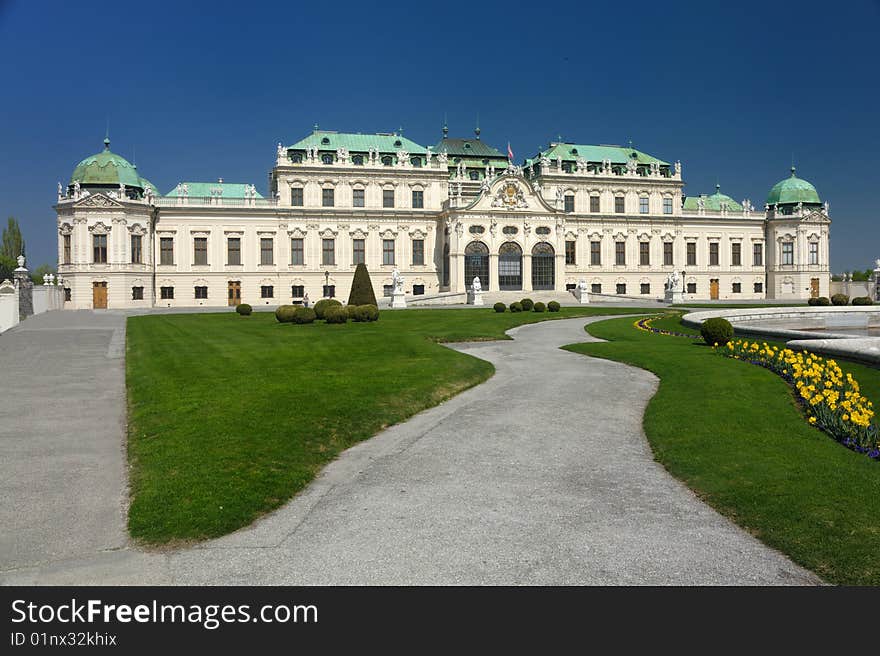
[793, 190]
[712, 203]
[467, 148]
[358, 143]
[203, 190]
[617, 154]
[146, 184]
[106, 168]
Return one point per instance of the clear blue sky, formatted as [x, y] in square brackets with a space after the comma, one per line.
[203, 90]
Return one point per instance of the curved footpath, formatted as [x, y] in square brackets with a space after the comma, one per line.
[542, 475]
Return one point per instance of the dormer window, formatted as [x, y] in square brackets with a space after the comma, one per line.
[467, 146]
[397, 144]
[474, 175]
[387, 160]
[416, 162]
[574, 151]
[357, 160]
[296, 158]
[325, 141]
[566, 167]
[327, 158]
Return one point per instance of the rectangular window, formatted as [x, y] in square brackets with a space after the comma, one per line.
[166, 250]
[298, 291]
[595, 253]
[814, 253]
[327, 199]
[621, 288]
[387, 198]
[713, 253]
[569, 203]
[137, 293]
[296, 196]
[594, 203]
[358, 251]
[692, 253]
[99, 242]
[418, 251]
[357, 197]
[67, 294]
[267, 291]
[418, 290]
[267, 255]
[692, 288]
[387, 251]
[759, 287]
[418, 199]
[643, 205]
[200, 248]
[329, 291]
[137, 256]
[328, 252]
[788, 252]
[570, 252]
[620, 253]
[596, 288]
[166, 293]
[387, 290]
[233, 250]
[618, 204]
[667, 206]
[737, 288]
[736, 254]
[65, 257]
[201, 292]
[645, 288]
[297, 255]
[667, 253]
[644, 253]
[758, 254]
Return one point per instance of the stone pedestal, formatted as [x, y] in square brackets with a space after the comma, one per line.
[582, 295]
[398, 300]
[25, 290]
[674, 296]
[475, 298]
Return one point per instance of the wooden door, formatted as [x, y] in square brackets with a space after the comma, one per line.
[713, 289]
[99, 295]
[814, 288]
[234, 292]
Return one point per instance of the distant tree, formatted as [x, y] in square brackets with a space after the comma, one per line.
[861, 276]
[12, 243]
[361, 288]
[7, 266]
[38, 273]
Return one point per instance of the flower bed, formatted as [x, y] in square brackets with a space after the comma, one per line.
[645, 324]
[831, 400]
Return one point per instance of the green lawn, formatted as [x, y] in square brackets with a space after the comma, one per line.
[230, 416]
[732, 432]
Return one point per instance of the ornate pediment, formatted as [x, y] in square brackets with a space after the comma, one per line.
[510, 196]
[98, 200]
[136, 229]
[99, 229]
[816, 216]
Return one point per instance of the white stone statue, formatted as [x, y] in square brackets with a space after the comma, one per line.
[397, 281]
[59, 191]
[559, 196]
[876, 264]
[280, 150]
[476, 285]
[673, 281]
[20, 259]
[582, 285]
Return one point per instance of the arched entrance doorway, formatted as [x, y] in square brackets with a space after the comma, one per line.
[510, 266]
[476, 264]
[543, 266]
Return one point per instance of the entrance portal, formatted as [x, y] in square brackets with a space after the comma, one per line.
[510, 266]
[99, 295]
[713, 289]
[234, 292]
[814, 288]
[543, 266]
[476, 264]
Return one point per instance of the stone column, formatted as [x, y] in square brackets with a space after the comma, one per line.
[25, 290]
[527, 271]
[492, 283]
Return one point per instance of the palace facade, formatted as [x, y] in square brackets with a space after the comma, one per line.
[612, 216]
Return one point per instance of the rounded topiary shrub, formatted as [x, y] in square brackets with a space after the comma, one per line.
[244, 309]
[322, 305]
[862, 300]
[823, 300]
[335, 314]
[716, 331]
[540, 307]
[516, 306]
[553, 306]
[367, 313]
[304, 315]
[839, 299]
[813, 301]
[284, 313]
[352, 311]
[527, 304]
[499, 307]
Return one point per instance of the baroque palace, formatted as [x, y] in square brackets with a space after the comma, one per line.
[610, 216]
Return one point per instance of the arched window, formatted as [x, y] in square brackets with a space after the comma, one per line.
[474, 175]
[296, 158]
[327, 158]
[476, 264]
[387, 160]
[510, 266]
[416, 162]
[357, 160]
[566, 167]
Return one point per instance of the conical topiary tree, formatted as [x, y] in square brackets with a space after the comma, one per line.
[361, 288]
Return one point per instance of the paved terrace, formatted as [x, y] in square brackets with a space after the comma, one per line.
[541, 475]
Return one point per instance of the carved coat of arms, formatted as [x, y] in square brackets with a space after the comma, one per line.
[510, 196]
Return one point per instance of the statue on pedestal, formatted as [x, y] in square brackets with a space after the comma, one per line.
[476, 285]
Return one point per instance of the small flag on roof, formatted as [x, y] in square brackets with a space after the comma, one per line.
[509, 153]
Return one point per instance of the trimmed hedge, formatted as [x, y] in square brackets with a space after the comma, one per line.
[351, 310]
[516, 306]
[823, 301]
[244, 309]
[716, 331]
[366, 313]
[361, 288]
[840, 299]
[322, 305]
[527, 304]
[540, 307]
[335, 314]
[499, 307]
[862, 300]
[284, 313]
[553, 306]
[304, 315]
